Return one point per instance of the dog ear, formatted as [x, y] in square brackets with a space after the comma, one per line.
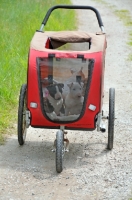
[60, 85]
[49, 87]
[80, 71]
[70, 85]
[73, 71]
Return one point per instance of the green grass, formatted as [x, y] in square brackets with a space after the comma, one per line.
[124, 16]
[18, 21]
[130, 41]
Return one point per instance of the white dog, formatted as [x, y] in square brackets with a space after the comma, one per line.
[73, 78]
[74, 99]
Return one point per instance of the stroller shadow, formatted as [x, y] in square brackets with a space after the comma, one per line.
[36, 157]
[80, 154]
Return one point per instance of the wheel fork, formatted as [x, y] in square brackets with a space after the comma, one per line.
[66, 141]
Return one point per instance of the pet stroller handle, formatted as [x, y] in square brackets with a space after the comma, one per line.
[73, 7]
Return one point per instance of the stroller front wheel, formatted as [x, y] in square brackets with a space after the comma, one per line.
[59, 150]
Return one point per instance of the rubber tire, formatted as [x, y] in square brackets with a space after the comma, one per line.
[21, 129]
[111, 118]
[59, 151]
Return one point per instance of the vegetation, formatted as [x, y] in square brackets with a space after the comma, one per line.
[19, 21]
[125, 17]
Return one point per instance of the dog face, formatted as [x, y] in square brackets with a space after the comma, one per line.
[76, 89]
[55, 90]
[78, 74]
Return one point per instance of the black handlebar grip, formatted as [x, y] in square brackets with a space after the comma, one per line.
[73, 7]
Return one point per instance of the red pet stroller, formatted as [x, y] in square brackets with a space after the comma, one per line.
[64, 88]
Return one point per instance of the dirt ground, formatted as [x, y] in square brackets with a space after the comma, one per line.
[91, 172]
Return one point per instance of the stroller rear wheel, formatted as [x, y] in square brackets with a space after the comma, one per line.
[111, 118]
[22, 115]
[59, 150]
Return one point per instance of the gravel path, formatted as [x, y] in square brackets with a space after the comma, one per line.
[91, 172]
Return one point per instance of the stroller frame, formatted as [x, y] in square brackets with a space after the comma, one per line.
[44, 64]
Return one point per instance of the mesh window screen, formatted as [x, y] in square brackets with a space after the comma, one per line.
[64, 84]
